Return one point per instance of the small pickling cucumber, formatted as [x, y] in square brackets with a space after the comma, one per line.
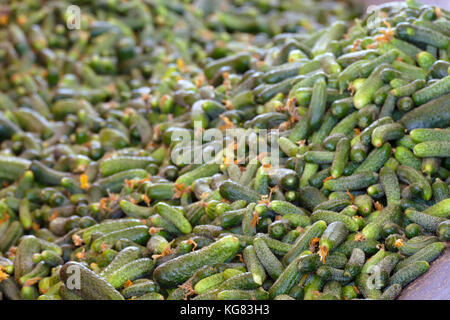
[356, 181]
[427, 221]
[287, 279]
[355, 263]
[130, 271]
[233, 191]
[333, 236]
[415, 244]
[138, 234]
[443, 231]
[173, 215]
[109, 226]
[91, 286]
[426, 149]
[409, 273]
[178, 270]
[254, 265]
[331, 216]
[236, 294]
[23, 262]
[303, 241]
[269, 261]
[440, 209]
[428, 253]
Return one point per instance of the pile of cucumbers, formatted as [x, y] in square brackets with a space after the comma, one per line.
[97, 202]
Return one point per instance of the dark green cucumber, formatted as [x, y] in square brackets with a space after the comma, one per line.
[253, 264]
[123, 163]
[356, 181]
[428, 253]
[234, 191]
[376, 159]
[427, 221]
[433, 114]
[303, 241]
[23, 262]
[391, 187]
[409, 273]
[331, 216]
[270, 262]
[90, 285]
[425, 134]
[138, 234]
[415, 244]
[333, 236]
[355, 263]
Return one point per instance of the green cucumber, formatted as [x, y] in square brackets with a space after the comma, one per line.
[130, 271]
[269, 261]
[90, 286]
[303, 241]
[409, 273]
[178, 270]
[356, 181]
[428, 253]
[138, 234]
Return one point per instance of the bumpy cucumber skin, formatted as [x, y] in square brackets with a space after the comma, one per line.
[355, 263]
[122, 163]
[287, 279]
[114, 182]
[369, 246]
[415, 244]
[233, 191]
[392, 292]
[174, 216]
[428, 254]
[302, 243]
[254, 265]
[433, 114]
[23, 260]
[376, 159]
[354, 182]
[432, 149]
[427, 221]
[270, 262]
[181, 268]
[92, 287]
[443, 231]
[138, 234]
[205, 170]
[139, 288]
[440, 209]
[391, 187]
[331, 216]
[409, 273]
[109, 226]
[258, 294]
[362, 283]
[12, 168]
[209, 283]
[423, 135]
[131, 271]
